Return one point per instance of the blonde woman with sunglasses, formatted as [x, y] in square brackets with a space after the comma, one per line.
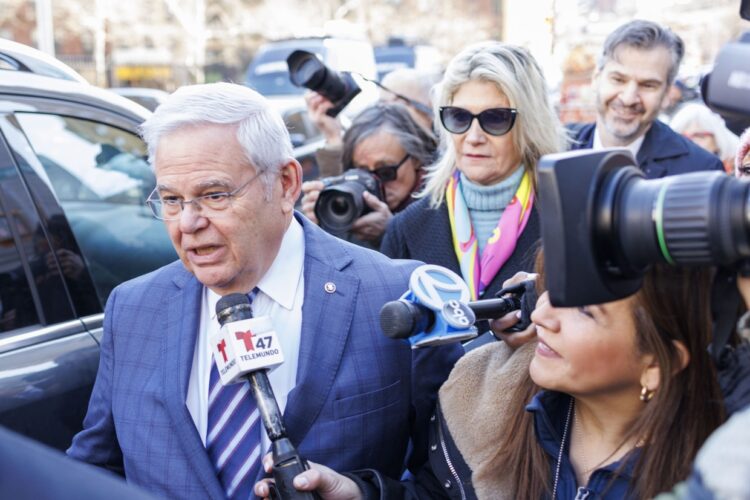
[477, 215]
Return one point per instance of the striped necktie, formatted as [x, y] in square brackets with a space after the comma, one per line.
[233, 440]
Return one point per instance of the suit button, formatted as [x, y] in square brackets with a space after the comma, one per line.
[447, 484]
[433, 447]
[432, 418]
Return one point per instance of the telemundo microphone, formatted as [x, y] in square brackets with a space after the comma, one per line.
[246, 348]
[436, 309]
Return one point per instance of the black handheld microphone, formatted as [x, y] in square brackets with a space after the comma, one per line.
[401, 319]
[253, 366]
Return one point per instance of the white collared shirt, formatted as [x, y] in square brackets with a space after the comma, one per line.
[633, 147]
[281, 295]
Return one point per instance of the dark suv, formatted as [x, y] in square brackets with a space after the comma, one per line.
[73, 225]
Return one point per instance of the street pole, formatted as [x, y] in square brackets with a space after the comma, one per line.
[45, 37]
[100, 42]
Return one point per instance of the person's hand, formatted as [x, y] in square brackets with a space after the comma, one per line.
[499, 325]
[317, 105]
[327, 483]
[310, 193]
[71, 264]
[370, 227]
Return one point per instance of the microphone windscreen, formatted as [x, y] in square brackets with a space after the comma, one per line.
[233, 307]
[398, 319]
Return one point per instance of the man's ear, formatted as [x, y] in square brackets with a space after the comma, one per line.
[291, 184]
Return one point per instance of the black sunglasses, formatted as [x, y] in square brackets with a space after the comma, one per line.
[387, 173]
[494, 121]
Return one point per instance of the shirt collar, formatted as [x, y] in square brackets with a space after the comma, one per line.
[633, 147]
[280, 281]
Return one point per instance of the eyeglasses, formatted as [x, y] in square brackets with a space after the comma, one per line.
[494, 121]
[745, 170]
[387, 173]
[212, 205]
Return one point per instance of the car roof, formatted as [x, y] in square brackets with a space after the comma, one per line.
[140, 91]
[25, 59]
[38, 86]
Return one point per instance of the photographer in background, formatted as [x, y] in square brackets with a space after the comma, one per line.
[387, 142]
[405, 86]
[638, 63]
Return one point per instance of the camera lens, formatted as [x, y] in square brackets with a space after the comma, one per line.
[306, 70]
[340, 206]
[341, 202]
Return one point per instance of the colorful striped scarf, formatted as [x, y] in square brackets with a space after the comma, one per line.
[479, 272]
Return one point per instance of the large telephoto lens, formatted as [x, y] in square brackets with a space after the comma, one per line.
[604, 224]
[306, 70]
[697, 218]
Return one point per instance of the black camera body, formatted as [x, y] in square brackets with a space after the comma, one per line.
[306, 70]
[604, 224]
[341, 201]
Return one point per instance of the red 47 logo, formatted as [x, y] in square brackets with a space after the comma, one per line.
[252, 342]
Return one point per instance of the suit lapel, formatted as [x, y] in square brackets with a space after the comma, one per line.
[326, 321]
[179, 338]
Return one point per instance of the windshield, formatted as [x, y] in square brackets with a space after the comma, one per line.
[269, 74]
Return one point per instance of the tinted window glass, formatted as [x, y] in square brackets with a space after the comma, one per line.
[101, 179]
[16, 305]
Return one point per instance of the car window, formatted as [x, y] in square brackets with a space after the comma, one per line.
[16, 303]
[301, 130]
[101, 179]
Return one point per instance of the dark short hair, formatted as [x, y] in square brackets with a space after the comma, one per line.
[396, 120]
[644, 35]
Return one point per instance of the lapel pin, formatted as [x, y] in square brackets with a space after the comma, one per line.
[329, 287]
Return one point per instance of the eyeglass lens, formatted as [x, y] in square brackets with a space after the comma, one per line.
[389, 172]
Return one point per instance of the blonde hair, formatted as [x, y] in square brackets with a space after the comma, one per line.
[517, 75]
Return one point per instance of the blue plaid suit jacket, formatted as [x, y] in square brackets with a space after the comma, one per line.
[360, 397]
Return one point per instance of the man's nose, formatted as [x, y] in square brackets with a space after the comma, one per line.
[191, 218]
[629, 94]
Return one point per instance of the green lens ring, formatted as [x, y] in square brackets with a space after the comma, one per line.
[658, 217]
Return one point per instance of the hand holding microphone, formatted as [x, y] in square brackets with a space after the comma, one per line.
[436, 308]
[245, 349]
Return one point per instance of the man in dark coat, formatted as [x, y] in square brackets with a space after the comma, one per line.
[638, 63]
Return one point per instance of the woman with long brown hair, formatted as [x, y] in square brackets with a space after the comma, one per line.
[611, 401]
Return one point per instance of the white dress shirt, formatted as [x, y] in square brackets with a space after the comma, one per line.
[633, 147]
[280, 296]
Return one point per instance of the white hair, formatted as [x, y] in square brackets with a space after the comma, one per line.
[698, 114]
[517, 75]
[260, 129]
